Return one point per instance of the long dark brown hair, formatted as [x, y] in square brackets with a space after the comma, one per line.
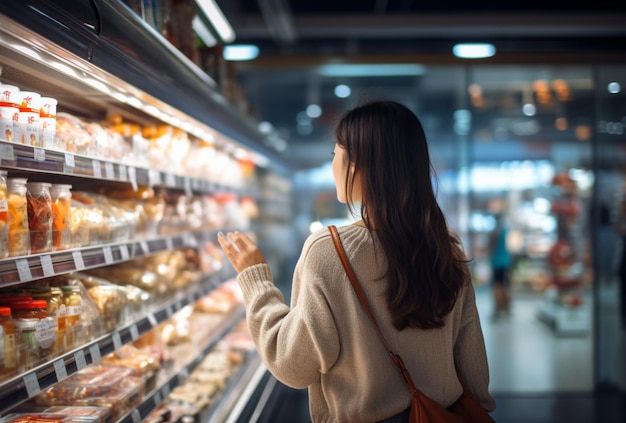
[386, 146]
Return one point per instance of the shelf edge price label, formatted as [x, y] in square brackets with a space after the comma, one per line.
[94, 351]
[123, 171]
[46, 265]
[117, 340]
[39, 154]
[169, 244]
[135, 416]
[23, 270]
[124, 252]
[69, 160]
[79, 358]
[132, 177]
[78, 260]
[108, 254]
[134, 332]
[32, 384]
[6, 152]
[60, 370]
[144, 247]
[97, 169]
[152, 320]
[109, 170]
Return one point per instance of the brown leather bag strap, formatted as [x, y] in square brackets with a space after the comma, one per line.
[359, 292]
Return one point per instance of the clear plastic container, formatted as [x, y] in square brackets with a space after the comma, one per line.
[61, 216]
[19, 238]
[73, 302]
[39, 204]
[30, 123]
[9, 113]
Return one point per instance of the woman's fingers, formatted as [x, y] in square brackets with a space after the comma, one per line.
[240, 250]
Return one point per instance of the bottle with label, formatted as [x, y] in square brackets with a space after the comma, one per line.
[36, 330]
[8, 357]
[19, 238]
[61, 208]
[73, 307]
[39, 207]
[4, 216]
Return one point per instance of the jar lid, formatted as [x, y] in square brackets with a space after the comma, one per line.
[29, 305]
[5, 311]
[16, 182]
[38, 185]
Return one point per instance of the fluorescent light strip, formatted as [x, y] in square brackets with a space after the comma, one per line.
[217, 19]
[203, 32]
[364, 70]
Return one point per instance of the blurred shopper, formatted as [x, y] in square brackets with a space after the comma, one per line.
[411, 267]
[501, 261]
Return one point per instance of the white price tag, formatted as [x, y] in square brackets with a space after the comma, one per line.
[32, 384]
[97, 170]
[170, 180]
[124, 252]
[94, 351]
[134, 332]
[166, 390]
[157, 398]
[79, 357]
[154, 177]
[78, 260]
[69, 160]
[6, 152]
[60, 370]
[132, 177]
[135, 416]
[46, 265]
[108, 254]
[117, 340]
[168, 311]
[183, 375]
[109, 170]
[152, 320]
[191, 241]
[144, 247]
[188, 190]
[123, 172]
[169, 244]
[39, 154]
[23, 270]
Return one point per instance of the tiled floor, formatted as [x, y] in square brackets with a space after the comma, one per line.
[537, 376]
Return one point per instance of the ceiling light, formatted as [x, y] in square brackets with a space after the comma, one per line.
[313, 111]
[364, 70]
[203, 32]
[473, 50]
[241, 52]
[343, 91]
[614, 87]
[214, 14]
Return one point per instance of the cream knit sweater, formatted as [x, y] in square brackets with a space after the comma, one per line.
[326, 343]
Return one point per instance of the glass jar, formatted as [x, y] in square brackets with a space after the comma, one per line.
[35, 329]
[61, 216]
[19, 238]
[56, 309]
[73, 307]
[4, 216]
[39, 216]
[8, 357]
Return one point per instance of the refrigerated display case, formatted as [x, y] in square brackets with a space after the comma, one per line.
[101, 62]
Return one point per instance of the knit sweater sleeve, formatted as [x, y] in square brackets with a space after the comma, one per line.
[296, 343]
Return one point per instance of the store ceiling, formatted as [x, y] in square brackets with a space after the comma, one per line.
[296, 38]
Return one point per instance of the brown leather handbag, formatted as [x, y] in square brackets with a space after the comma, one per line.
[423, 409]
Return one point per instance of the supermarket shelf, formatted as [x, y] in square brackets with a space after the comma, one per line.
[21, 269]
[36, 159]
[20, 388]
[156, 397]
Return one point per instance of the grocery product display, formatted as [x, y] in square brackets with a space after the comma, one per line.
[115, 303]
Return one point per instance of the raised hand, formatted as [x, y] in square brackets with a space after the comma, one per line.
[240, 250]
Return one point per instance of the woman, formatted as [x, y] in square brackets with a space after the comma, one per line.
[410, 266]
